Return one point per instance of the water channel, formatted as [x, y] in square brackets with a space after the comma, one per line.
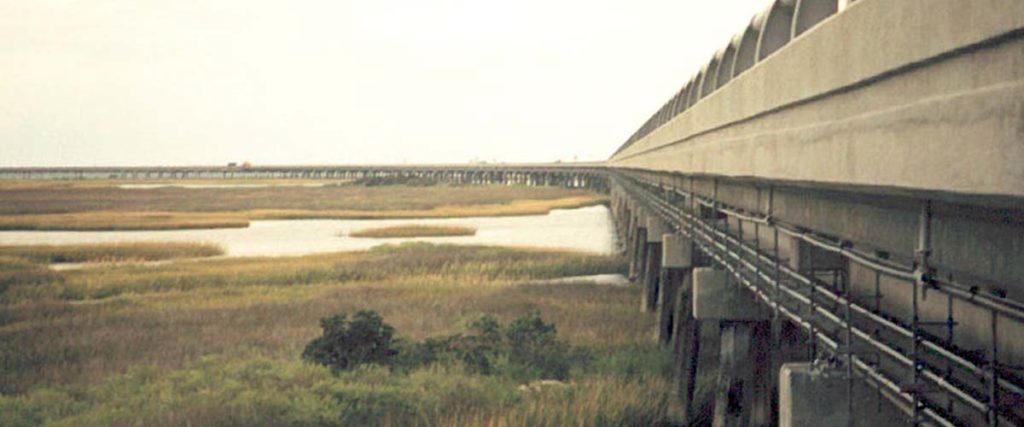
[588, 229]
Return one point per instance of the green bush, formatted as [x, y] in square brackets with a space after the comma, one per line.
[532, 345]
[525, 350]
[345, 345]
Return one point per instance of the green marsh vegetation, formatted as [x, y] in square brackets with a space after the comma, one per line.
[220, 342]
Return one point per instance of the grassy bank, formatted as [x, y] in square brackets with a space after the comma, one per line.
[415, 230]
[53, 200]
[107, 183]
[110, 252]
[111, 208]
[127, 221]
[217, 342]
[262, 391]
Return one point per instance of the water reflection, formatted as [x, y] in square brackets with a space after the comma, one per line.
[586, 229]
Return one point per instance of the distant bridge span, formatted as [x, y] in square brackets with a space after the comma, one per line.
[842, 183]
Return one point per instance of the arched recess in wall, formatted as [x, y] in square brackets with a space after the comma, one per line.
[663, 114]
[810, 12]
[670, 108]
[708, 73]
[699, 83]
[725, 66]
[679, 102]
[746, 52]
[691, 92]
[778, 26]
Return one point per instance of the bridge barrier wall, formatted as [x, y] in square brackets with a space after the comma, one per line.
[922, 94]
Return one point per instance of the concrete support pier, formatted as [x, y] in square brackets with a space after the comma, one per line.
[638, 245]
[676, 262]
[815, 394]
[651, 277]
[743, 391]
[811, 396]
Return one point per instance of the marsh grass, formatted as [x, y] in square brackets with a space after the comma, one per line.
[217, 342]
[261, 391]
[175, 220]
[71, 205]
[110, 252]
[109, 183]
[109, 221]
[414, 230]
[70, 325]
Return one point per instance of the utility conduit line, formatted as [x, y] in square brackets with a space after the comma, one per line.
[1005, 307]
[964, 363]
[717, 241]
[806, 324]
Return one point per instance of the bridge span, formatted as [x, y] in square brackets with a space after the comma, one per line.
[834, 205]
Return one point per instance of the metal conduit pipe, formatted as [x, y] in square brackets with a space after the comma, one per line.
[1007, 308]
[936, 347]
[880, 379]
[931, 345]
[713, 235]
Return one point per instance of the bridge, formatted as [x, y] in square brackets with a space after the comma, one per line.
[834, 205]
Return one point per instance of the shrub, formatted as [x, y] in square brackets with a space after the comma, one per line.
[345, 345]
[525, 350]
[533, 347]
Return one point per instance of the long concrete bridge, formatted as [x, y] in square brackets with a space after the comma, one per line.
[834, 205]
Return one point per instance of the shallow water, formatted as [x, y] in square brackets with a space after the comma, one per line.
[612, 279]
[587, 229]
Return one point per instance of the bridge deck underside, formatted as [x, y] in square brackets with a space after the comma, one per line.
[851, 278]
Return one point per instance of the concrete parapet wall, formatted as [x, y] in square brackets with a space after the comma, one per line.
[925, 94]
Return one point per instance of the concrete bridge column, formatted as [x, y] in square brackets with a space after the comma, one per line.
[820, 394]
[679, 258]
[656, 230]
[676, 261]
[621, 219]
[743, 390]
[637, 243]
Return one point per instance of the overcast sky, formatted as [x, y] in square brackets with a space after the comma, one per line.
[170, 82]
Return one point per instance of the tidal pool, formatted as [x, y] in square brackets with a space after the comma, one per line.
[588, 229]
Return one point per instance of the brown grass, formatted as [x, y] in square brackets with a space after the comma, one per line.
[51, 200]
[108, 183]
[106, 221]
[415, 230]
[81, 326]
[93, 209]
[110, 252]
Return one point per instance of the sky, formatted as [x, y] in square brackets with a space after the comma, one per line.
[206, 82]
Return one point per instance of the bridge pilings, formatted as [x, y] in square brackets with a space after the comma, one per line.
[637, 244]
[743, 390]
[676, 262]
[652, 270]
